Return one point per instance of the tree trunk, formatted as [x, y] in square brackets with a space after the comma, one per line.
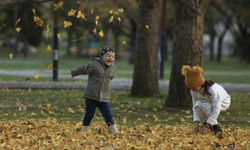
[145, 77]
[69, 43]
[220, 42]
[132, 42]
[211, 45]
[188, 39]
[221, 38]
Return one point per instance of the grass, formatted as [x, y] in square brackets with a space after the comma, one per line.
[127, 110]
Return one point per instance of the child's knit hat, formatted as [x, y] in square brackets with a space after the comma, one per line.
[105, 49]
[193, 76]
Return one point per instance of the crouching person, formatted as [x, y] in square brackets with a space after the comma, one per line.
[208, 97]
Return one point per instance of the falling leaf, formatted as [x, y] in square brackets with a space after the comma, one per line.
[111, 19]
[50, 66]
[101, 34]
[58, 36]
[81, 15]
[47, 30]
[58, 5]
[121, 10]
[37, 77]
[124, 42]
[92, 11]
[94, 30]
[49, 48]
[38, 21]
[111, 11]
[67, 24]
[72, 12]
[11, 56]
[34, 11]
[97, 20]
[18, 29]
[119, 19]
[18, 20]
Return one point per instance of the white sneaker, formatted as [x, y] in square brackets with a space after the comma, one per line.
[114, 129]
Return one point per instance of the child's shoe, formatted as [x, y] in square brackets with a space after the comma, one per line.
[84, 129]
[217, 130]
[113, 129]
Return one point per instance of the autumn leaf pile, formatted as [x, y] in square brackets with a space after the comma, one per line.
[54, 134]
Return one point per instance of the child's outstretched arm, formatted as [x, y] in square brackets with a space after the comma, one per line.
[79, 71]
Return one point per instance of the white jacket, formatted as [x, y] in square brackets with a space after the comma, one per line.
[219, 100]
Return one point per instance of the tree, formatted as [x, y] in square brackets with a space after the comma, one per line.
[241, 32]
[188, 38]
[145, 77]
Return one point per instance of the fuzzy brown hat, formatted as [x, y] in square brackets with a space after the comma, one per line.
[193, 76]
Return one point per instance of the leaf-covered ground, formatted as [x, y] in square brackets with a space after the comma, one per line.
[54, 134]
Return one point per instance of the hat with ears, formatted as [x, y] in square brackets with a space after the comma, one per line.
[193, 76]
[105, 49]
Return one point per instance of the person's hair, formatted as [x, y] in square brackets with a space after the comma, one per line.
[105, 49]
[206, 85]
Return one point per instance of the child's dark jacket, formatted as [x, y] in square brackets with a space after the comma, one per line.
[99, 79]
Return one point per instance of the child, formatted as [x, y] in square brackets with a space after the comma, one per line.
[100, 73]
[208, 97]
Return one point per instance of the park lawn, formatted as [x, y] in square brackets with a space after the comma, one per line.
[51, 119]
[69, 105]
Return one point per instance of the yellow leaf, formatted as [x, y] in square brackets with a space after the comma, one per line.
[94, 30]
[18, 20]
[111, 11]
[37, 77]
[101, 34]
[58, 36]
[71, 12]
[121, 10]
[111, 19]
[49, 48]
[81, 15]
[39, 22]
[18, 29]
[124, 42]
[119, 19]
[11, 56]
[34, 11]
[58, 5]
[97, 20]
[47, 31]
[92, 11]
[67, 24]
[50, 66]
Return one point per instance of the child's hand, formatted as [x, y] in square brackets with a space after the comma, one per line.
[207, 128]
[196, 127]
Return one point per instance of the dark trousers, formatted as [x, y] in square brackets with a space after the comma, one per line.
[104, 108]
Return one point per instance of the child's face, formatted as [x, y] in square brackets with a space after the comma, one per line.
[108, 58]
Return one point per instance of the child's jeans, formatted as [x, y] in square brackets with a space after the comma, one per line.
[104, 108]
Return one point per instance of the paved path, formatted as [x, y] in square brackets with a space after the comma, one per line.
[117, 83]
